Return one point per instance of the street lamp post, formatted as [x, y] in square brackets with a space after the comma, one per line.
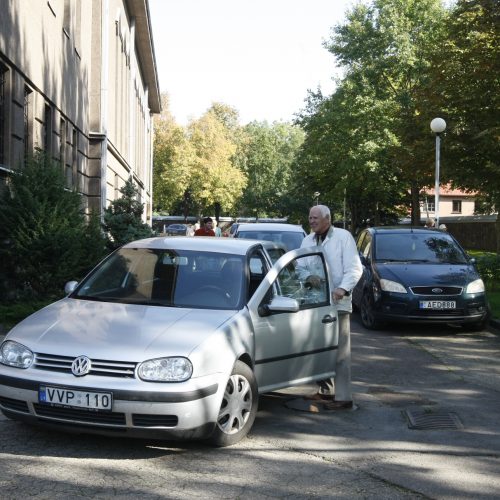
[316, 195]
[438, 126]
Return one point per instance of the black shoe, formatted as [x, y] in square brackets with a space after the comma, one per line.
[338, 405]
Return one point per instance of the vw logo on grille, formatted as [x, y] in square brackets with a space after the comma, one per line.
[437, 290]
[81, 366]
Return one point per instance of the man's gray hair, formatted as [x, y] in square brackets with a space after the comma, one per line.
[324, 211]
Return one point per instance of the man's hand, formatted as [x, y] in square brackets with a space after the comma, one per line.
[338, 294]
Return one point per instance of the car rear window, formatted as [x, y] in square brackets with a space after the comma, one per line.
[414, 247]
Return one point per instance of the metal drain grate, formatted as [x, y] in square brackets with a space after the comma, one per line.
[432, 419]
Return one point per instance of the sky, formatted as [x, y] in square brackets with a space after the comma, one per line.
[259, 56]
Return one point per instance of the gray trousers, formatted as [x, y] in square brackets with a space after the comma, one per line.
[341, 384]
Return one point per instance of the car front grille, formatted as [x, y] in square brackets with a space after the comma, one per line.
[76, 415]
[62, 364]
[440, 312]
[142, 420]
[14, 404]
[433, 290]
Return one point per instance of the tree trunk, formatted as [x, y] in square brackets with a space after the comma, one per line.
[353, 209]
[497, 231]
[376, 217]
[415, 205]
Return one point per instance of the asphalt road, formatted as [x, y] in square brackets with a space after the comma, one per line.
[453, 378]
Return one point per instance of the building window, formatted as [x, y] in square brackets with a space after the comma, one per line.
[428, 206]
[27, 125]
[3, 114]
[62, 142]
[74, 161]
[456, 206]
[47, 129]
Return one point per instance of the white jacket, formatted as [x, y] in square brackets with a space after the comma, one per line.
[342, 258]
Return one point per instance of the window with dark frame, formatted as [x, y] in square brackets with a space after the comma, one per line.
[62, 142]
[74, 160]
[26, 112]
[429, 206]
[47, 128]
[456, 206]
[3, 83]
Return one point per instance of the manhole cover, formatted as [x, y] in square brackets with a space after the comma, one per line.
[432, 419]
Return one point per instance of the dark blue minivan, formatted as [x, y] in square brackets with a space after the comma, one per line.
[415, 274]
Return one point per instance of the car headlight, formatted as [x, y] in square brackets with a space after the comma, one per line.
[166, 370]
[392, 286]
[15, 354]
[476, 286]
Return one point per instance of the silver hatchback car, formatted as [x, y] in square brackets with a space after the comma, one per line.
[172, 338]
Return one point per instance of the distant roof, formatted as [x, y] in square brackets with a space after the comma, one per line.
[449, 191]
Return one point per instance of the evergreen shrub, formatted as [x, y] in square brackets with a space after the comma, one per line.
[45, 238]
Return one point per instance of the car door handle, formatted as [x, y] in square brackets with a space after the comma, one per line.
[328, 319]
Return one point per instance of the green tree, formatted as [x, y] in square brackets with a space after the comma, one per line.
[466, 71]
[173, 157]
[345, 155]
[45, 239]
[214, 180]
[388, 44]
[270, 152]
[123, 217]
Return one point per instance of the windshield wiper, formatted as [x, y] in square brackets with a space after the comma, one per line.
[388, 261]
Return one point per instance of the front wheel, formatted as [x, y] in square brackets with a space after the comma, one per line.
[367, 312]
[238, 408]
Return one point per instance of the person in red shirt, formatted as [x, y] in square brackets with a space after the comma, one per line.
[206, 229]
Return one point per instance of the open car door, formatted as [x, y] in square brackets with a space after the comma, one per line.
[295, 323]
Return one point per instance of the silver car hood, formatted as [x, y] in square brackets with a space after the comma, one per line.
[113, 331]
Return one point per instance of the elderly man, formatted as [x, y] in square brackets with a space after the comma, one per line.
[345, 270]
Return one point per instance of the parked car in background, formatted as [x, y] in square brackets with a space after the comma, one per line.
[288, 235]
[172, 338]
[177, 230]
[417, 275]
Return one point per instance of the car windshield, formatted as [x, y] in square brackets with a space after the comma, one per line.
[179, 278]
[289, 239]
[414, 247]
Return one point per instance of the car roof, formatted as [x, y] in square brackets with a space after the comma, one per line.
[236, 246]
[404, 229]
[269, 226]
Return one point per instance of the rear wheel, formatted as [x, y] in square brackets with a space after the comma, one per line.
[367, 313]
[238, 408]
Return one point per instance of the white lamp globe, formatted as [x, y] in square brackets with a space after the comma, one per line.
[438, 125]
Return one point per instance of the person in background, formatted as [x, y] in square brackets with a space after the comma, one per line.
[217, 229]
[443, 227]
[345, 269]
[430, 222]
[206, 229]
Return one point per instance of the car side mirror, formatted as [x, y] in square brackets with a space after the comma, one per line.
[70, 287]
[283, 304]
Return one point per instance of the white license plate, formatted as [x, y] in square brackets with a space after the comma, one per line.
[438, 304]
[76, 399]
